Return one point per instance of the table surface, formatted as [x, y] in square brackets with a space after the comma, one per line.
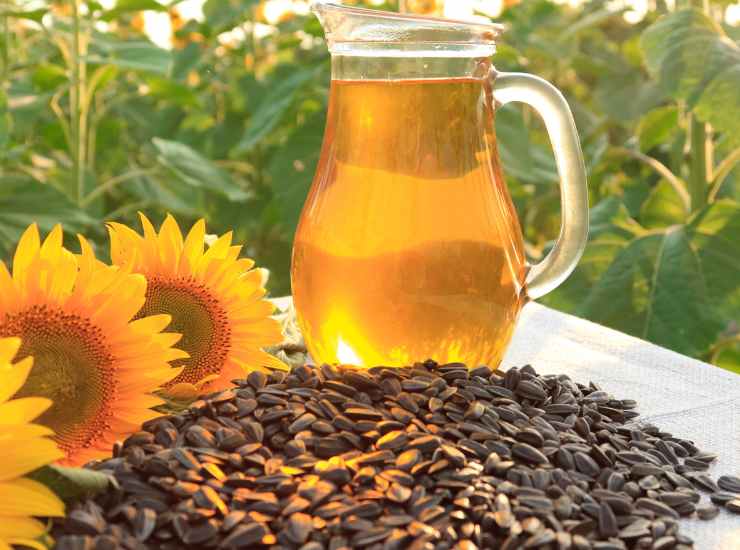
[689, 398]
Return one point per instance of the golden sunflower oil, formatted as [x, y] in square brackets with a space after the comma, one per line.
[408, 246]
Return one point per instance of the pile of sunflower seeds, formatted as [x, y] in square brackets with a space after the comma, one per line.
[425, 457]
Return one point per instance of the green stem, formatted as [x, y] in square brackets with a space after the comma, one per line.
[127, 208]
[56, 107]
[663, 171]
[75, 93]
[79, 103]
[698, 187]
[720, 345]
[723, 170]
[109, 185]
[5, 69]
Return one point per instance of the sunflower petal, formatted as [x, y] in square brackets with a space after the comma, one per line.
[149, 243]
[26, 497]
[170, 244]
[33, 544]
[20, 528]
[14, 377]
[7, 300]
[219, 249]
[28, 456]
[52, 246]
[123, 242]
[10, 434]
[28, 247]
[8, 349]
[151, 324]
[194, 243]
[63, 277]
[20, 411]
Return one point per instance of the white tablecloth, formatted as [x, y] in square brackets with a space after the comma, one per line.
[691, 399]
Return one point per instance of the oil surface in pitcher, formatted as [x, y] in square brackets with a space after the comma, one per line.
[408, 246]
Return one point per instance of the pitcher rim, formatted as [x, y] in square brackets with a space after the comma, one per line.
[488, 31]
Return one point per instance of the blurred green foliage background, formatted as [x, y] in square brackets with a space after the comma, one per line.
[97, 123]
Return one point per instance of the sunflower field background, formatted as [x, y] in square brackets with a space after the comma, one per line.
[223, 117]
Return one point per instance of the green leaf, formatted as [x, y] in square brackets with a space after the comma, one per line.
[657, 127]
[73, 483]
[168, 195]
[610, 231]
[694, 61]
[5, 123]
[626, 96]
[679, 287]
[34, 15]
[49, 77]
[292, 168]
[186, 59]
[522, 159]
[227, 14]
[591, 20]
[24, 201]
[126, 6]
[663, 207]
[194, 169]
[655, 289]
[715, 235]
[137, 55]
[273, 108]
[169, 90]
[729, 358]
[720, 103]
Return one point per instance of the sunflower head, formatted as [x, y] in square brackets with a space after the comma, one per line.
[214, 297]
[26, 447]
[75, 317]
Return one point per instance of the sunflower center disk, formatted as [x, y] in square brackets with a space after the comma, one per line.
[201, 320]
[72, 366]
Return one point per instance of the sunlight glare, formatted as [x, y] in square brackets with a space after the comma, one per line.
[275, 10]
[158, 28]
[732, 14]
[191, 9]
[467, 10]
[346, 354]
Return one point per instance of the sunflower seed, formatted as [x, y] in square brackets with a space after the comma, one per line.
[75, 542]
[244, 536]
[80, 522]
[585, 464]
[144, 523]
[528, 453]
[201, 533]
[656, 506]
[722, 497]
[733, 506]
[298, 527]
[729, 483]
[707, 511]
[303, 422]
[338, 458]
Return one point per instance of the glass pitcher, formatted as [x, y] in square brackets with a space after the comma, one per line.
[409, 246]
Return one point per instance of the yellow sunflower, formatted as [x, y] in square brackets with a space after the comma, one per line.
[216, 300]
[74, 316]
[25, 447]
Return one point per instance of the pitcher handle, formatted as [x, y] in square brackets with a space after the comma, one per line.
[552, 107]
